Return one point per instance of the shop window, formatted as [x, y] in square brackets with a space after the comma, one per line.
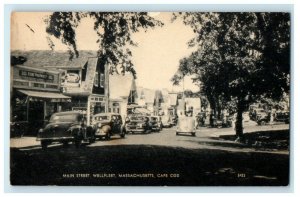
[102, 80]
[38, 85]
[96, 79]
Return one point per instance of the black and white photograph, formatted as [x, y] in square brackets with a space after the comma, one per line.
[150, 98]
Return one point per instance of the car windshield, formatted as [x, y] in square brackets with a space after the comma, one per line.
[64, 118]
[100, 118]
[153, 118]
[137, 118]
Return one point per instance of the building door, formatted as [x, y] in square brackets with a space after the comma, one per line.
[35, 116]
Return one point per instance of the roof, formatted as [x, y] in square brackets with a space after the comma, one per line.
[54, 59]
[148, 94]
[195, 102]
[173, 99]
[119, 85]
[86, 87]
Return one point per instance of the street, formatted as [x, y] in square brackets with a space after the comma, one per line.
[157, 158]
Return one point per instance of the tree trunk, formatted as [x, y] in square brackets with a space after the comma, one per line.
[239, 119]
[239, 124]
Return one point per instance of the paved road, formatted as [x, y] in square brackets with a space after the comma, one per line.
[205, 138]
[153, 159]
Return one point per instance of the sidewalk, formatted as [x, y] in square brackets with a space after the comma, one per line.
[23, 142]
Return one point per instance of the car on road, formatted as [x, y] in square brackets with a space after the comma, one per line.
[282, 116]
[166, 122]
[137, 123]
[246, 116]
[107, 125]
[263, 118]
[155, 123]
[65, 127]
[186, 125]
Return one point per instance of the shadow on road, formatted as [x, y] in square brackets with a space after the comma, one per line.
[181, 167]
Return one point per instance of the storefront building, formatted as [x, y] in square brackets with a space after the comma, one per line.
[35, 96]
[87, 85]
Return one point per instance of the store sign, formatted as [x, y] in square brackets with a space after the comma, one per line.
[72, 78]
[36, 75]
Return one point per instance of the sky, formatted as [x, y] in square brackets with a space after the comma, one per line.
[156, 58]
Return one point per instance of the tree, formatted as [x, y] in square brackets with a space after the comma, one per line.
[114, 30]
[14, 60]
[239, 58]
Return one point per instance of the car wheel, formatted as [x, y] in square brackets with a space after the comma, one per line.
[65, 144]
[107, 137]
[176, 133]
[193, 134]
[92, 140]
[77, 143]
[263, 123]
[122, 135]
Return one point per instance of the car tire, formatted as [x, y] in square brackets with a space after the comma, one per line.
[194, 134]
[263, 123]
[122, 135]
[176, 133]
[77, 143]
[65, 144]
[107, 137]
[92, 140]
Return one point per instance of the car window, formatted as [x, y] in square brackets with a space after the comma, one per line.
[99, 118]
[64, 118]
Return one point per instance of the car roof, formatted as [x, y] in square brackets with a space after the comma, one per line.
[106, 114]
[68, 112]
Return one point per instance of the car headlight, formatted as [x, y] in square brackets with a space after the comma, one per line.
[99, 124]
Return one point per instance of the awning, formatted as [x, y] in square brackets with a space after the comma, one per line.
[50, 96]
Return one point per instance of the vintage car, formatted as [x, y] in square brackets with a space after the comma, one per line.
[66, 127]
[166, 121]
[282, 116]
[186, 125]
[263, 118]
[107, 125]
[137, 123]
[260, 113]
[174, 120]
[155, 123]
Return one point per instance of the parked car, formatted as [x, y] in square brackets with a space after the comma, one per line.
[186, 125]
[137, 123]
[107, 125]
[262, 118]
[282, 116]
[166, 122]
[200, 118]
[18, 128]
[174, 120]
[259, 113]
[246, 117]
[155, 123]
[65, 127]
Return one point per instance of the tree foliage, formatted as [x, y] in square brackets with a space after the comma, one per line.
[240, 57]
[114, 30]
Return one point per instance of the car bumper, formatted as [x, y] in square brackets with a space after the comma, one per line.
[135, 130]
[55, 138]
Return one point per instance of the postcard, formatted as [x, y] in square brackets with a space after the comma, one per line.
[150, 98]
